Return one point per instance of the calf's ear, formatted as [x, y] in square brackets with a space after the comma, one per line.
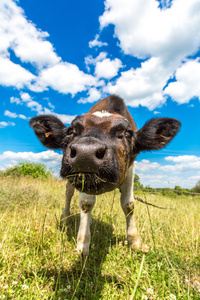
[49, 130]
[156, 134]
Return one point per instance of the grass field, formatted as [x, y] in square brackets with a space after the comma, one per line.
[38, 259]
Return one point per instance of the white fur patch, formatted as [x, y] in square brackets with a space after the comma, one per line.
[102, 114]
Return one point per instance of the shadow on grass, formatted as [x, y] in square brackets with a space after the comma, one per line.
[85, 279]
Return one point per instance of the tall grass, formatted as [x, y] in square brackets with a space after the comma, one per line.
[38, 259]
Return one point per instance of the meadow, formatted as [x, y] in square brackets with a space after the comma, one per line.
[38, 258]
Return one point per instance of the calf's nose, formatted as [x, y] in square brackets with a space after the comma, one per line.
[87, 157]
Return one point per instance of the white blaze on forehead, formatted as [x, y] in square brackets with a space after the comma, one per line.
[102, 113]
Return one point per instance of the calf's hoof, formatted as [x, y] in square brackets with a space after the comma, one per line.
[134, 243]
[83, 249]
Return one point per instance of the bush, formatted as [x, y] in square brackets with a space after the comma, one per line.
[25, 168]
[178, 190]
[196, 189]
[171, 193]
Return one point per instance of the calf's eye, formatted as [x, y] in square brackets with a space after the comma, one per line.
[70, 131]
[129, 134]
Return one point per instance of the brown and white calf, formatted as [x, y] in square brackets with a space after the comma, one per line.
[99, 149]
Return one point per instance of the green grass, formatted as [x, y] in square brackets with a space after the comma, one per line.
[38, 259]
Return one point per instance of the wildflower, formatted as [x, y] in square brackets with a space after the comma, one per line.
[172, 297]
[145, 249]
[150, 291]
[14, 282]
[144, 297]
[25, 287]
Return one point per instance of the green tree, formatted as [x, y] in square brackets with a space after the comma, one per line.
[136, 178]
[178, 190]
[137, 184]
[26, 168]
[196, 189]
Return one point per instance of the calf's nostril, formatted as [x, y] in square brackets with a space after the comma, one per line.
[100, 153]
[73, 152]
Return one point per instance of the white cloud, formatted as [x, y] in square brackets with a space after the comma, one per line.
[5, 124]
[156, 112]
[183, 158]
[34, 105]
[34, 49]
[30, 45]
[27, 100]
[66, 119]
[94, 95]
[104, 67]
[25, 97]
[20, 35]
[108, 68]
[10, 114]
[145, 165]
[12, 74]
[184, 163]
[65, 78]
[154, 181]
[89, 60]
[184, 171]
[181, 167]
[142, 86]
[144, 30]
[22, 117]
[49, 158]
[196, 178]
[96, 42]
[187, 81]
[158, 35]
[45, 155]
[15, 100]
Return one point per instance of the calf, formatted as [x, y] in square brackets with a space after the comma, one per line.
[99, 149]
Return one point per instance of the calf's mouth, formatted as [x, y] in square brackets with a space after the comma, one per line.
[90, 183]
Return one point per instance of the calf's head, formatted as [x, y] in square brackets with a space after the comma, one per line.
[99, 146]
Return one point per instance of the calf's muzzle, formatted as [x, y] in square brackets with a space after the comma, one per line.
[87, 157]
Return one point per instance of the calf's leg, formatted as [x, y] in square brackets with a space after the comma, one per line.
[86, 204]
[66, 211]
[127, 203]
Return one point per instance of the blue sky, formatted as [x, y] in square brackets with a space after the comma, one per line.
[60, 57]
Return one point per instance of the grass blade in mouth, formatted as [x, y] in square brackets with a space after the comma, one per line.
[83, 181]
